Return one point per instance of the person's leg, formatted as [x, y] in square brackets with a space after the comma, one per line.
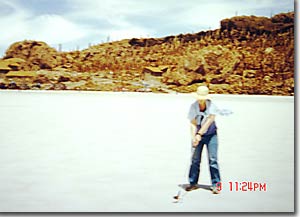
[212, 148]
[195, 164]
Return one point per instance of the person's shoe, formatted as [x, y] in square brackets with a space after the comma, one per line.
[215, 190]
[191, 187]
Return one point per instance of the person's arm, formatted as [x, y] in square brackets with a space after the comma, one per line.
[210, 119]
[197, 136]
[193, 126]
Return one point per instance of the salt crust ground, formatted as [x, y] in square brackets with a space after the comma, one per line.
[128, 152]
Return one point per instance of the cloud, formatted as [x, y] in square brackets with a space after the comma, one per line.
[77, 23]
[114, 14]
[54, 29]
[22, 24]
[128, 33]
[71, 27]
[166, 17]
[13, 24]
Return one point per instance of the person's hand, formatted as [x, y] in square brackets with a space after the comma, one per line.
[196, 140]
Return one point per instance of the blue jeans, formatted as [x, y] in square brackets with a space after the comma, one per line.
[211, 142]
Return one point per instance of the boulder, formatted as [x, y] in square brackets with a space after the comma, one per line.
[2, 84]
[249, 73]
[155, 71]
[259, 25]
[21, 74]
[12, 85]
[37, 55]
[212, 64]
[219, 88]
[4, 68]
[181, 78]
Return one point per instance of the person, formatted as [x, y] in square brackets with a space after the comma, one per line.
[203, 132]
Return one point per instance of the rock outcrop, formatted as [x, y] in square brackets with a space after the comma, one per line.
[247, 55]
[38, 55]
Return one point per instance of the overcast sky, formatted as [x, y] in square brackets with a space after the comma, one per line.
[78, 23]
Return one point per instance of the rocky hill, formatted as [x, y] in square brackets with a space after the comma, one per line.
[247, 55]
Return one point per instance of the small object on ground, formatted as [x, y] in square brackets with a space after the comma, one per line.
[177, 197]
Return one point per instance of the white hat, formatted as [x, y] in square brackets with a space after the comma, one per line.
[202, 93]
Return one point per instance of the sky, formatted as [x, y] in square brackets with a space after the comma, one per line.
[76, 24]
